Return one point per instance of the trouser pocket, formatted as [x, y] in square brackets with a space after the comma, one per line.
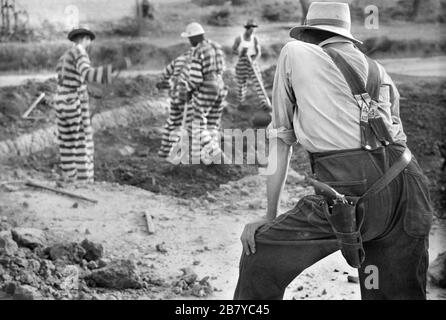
[419, 211]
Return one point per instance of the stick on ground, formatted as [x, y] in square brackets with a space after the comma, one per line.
[31, 108]
[65, 193]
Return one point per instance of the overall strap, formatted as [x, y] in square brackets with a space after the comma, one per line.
[373, 131]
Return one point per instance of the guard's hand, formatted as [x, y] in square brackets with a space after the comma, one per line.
[248, 235]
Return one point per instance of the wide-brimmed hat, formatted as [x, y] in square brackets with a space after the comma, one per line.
[81, 31]
[328, 16]
[250, 24]
[193, 29]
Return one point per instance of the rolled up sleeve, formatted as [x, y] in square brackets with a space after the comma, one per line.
[389, 95]
[283, 102]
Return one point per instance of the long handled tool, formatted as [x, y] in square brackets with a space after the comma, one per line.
[31, 108]
[259, 80]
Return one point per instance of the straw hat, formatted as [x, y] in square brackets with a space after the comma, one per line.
[193, 29]
[328, 16]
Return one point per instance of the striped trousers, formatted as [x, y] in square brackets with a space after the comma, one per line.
[208, 108]
[75, 136]
[244, 73]
[173, 123]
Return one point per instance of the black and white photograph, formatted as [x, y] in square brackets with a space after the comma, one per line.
[234, 151]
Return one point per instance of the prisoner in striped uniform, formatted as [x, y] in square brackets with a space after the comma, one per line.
[208, 90]
[248, 45]
[74, 130]
[174, 78]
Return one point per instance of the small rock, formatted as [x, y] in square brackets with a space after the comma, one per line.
[70, 276]
[29, 237]
[120, 274]
[189, 275]
[161, 248]
[92, 265]
[352, 279]
[25, 204]
[75, 205]
[437, 271]
[324, 292]
[244, 192]
[211, 198]
[300, 288]
[72, 252]
[335, 270]
[94, 251]
[34, 265]
[26, 292]
[5, 226]
[196, 263]
[87, 232]
[9, 288]
[46, 268]
[7, 245]
[102, 263]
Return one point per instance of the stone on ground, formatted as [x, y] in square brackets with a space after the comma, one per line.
[29, 237]
[120, 274]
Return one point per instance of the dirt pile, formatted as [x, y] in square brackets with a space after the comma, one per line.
[188, 284]
[32, 270]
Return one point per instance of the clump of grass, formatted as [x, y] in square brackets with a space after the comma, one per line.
[220, 18]
[206, 3]
[280, 12]
[239, 2]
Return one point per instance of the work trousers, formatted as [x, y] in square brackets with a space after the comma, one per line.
[395, 230]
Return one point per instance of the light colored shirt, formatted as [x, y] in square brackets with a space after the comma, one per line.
[313, 104]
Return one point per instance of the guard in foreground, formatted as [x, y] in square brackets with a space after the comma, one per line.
[372, 199]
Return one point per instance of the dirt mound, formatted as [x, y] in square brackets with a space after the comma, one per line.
[31, 271]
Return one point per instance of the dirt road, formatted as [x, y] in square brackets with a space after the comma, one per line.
[422, 67]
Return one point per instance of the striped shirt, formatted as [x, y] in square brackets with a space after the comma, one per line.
[208, 61]
[74, 71]
[176, 72]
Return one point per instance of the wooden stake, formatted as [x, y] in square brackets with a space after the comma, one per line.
[149, 222]
[65, 193]
[31, 108]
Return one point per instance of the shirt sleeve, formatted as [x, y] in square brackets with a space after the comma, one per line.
[389, 95]
[283, 102]
[101, 74]
[168, 71]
